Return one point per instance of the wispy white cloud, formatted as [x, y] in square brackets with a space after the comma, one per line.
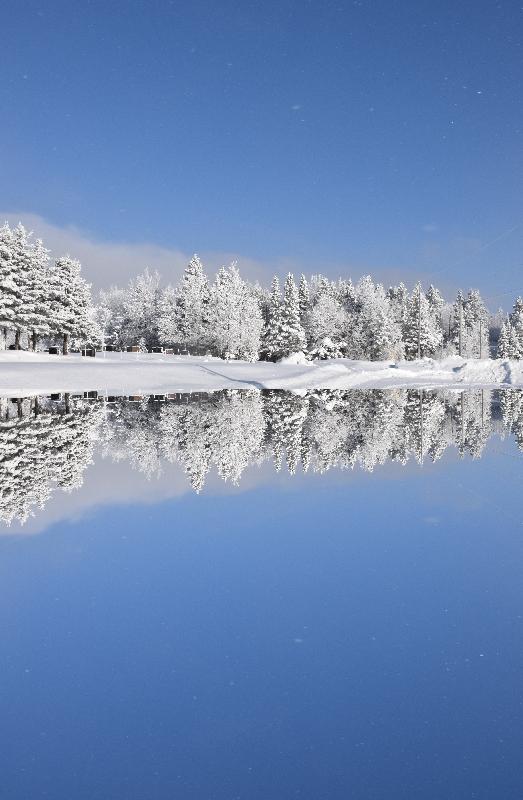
[106, 262]
[109, 262]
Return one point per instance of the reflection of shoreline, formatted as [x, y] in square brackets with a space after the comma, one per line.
[47, 442]
[27, 373]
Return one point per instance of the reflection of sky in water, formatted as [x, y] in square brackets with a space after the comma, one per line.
[320, 636]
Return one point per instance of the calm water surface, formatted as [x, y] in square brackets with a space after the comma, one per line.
[179, 619]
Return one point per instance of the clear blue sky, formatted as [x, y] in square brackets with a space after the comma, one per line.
[368, 134]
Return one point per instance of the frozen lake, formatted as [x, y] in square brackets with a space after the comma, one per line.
[262, 595]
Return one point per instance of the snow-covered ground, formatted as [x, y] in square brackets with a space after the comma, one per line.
[23, 374]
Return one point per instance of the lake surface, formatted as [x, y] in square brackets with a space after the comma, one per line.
[262, 595]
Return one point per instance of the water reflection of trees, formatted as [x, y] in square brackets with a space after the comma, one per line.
[47, 443]
[44, 444]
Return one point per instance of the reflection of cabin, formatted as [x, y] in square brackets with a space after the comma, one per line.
[135, 398]
[53, 351]
[90, 395]
[56, 397]
[160, 398]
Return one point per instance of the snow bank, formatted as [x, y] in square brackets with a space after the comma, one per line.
[23, 374]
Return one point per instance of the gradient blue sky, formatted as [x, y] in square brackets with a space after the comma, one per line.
[336, 136]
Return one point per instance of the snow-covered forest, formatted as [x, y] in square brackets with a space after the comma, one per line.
[42, 301]
[48, 443]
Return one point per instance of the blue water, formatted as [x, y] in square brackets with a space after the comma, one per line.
[323, 636]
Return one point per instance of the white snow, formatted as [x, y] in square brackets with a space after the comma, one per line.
[23, 374]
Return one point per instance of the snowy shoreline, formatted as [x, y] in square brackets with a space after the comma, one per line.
[24, 373]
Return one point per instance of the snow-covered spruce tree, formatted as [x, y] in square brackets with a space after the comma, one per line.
[436, 301]
[304, 300]
[398, 297]
[422, 333]
[271, 344]
[458, 333]
[508, 342]
[114, 299]
[292, 335]
[70, 302]
[192, 322]
[373, 332]
[141, 308]
[30, 268]
[235, 319]
[263, 297]
[38, 292]
[504, 339]
[326, 325]
[516, 320]
[8, 288]
[167, 317]
[476, 319]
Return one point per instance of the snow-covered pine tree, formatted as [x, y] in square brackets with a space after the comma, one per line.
[192, 306]
[516, 320]
[113, 299]
[235, 316]
[326, 325]
[384, 332]
[422, 333]
[373, 330]
[263, 297]
[8, 289]
[271, 345]
[304, 300]
[38, 292]
[292, 335]
[71, 303]
[436, 301]
[457, 334]
[142, 308]
[504, 340]
[398, 297]
[167, 317]
[24, 303]
[508, 342]
[476, 319]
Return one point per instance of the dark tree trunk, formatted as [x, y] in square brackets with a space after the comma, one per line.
[67, 402]
[34, 340]
[65, 348]
[17, 340]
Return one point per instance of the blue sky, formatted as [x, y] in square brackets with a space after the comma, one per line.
[357, 136]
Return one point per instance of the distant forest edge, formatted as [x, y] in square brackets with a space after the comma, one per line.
[48, 442]
[44, 302]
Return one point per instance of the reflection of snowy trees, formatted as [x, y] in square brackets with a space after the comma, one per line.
[41, 449]
[47, 443]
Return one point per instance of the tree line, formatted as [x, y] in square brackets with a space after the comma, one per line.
[229, 317]
[321, 318]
